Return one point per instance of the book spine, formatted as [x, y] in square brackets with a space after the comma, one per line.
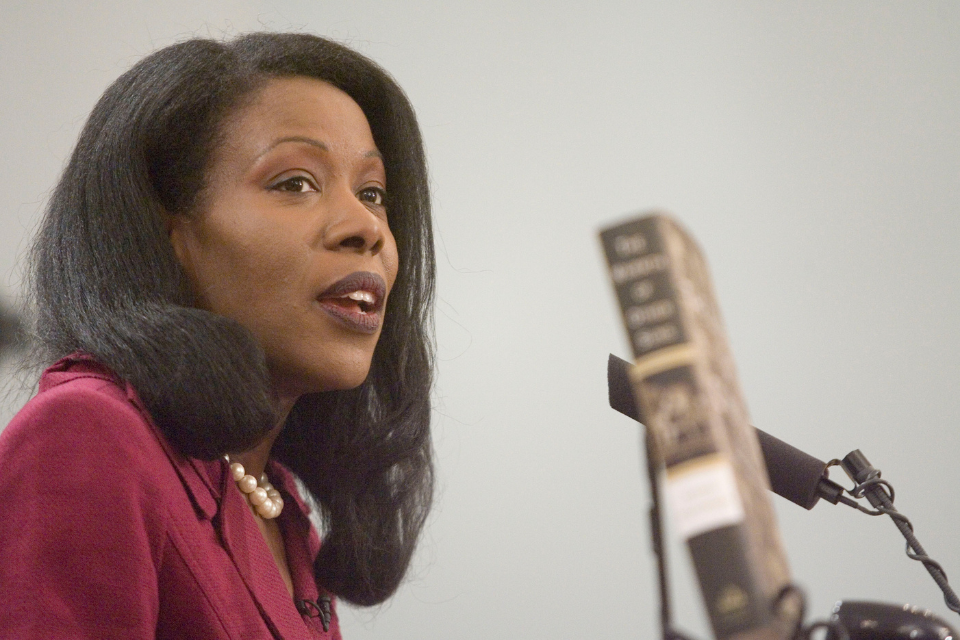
[685, 384]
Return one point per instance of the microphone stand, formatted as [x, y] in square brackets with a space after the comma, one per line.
[656, 537]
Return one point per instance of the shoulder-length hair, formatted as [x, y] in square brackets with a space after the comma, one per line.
[105, 280]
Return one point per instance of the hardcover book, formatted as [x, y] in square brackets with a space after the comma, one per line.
[686, 386]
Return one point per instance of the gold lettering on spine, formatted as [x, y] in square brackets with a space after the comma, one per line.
[642, 291]
[630, 245]
[649, 314]
[638, 268]
[651, 338]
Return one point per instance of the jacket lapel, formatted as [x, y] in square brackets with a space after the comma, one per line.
[247, 548]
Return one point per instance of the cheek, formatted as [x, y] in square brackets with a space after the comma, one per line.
[248, 275]
[391, 260]
[262, 282]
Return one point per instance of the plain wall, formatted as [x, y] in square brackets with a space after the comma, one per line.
[812, 148]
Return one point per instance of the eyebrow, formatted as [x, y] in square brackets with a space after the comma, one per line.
[373, 153]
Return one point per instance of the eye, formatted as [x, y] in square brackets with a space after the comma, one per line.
[373, 195]
[295, 184]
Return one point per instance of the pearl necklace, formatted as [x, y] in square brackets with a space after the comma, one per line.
[265, 500]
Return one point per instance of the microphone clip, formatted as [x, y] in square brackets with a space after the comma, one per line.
[316, 609]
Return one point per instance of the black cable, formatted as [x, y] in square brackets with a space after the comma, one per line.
[918, 553]
[880, 494]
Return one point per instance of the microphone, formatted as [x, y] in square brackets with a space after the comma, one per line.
[793, 474]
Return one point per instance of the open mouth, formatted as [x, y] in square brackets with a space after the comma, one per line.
[356, 300]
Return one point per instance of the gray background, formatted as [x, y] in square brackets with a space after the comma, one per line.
[814, 151]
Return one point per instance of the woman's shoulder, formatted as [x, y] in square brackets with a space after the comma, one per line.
[84, 427]
[81, 475]
[82, 409]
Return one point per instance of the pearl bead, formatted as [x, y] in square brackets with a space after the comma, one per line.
[264, 499]
[247, 483]
[266, 510]
[258, 496]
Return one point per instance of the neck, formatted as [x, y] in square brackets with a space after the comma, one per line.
[254, 460]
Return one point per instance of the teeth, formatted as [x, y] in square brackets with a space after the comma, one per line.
[362, 296]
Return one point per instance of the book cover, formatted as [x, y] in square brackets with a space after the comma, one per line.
[685, 384]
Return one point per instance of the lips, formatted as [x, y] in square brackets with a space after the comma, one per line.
[356, 301]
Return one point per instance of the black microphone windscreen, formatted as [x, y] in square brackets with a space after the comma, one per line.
[793, 474]
[619, 389]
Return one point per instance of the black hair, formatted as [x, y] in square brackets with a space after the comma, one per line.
[104, 280]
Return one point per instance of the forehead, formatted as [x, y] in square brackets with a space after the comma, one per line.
[298, 106]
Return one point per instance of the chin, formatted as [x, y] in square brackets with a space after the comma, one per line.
[320, 375]
[345, 382]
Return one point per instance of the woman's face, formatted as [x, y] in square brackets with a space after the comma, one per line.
[291, 238]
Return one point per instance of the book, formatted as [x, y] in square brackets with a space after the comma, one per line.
[685, 385]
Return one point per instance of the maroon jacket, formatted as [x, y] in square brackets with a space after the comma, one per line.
[107, 532]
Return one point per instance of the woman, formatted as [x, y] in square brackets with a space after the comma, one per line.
[236, 264]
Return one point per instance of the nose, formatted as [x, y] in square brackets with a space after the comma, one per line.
[354, 227]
